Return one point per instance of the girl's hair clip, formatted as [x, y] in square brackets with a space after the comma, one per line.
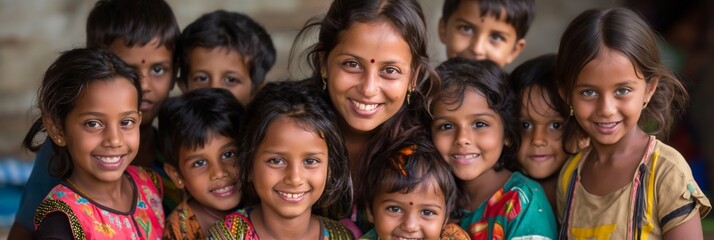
[399, 162]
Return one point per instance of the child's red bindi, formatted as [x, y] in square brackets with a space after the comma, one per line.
[372, 61]
[411, 203]
[143, 61]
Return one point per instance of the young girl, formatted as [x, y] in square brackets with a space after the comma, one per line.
[292, 161]
[542, 117]
[89, 101]
[474, 127]
[628, 184]
[411, 194]
[198, 132]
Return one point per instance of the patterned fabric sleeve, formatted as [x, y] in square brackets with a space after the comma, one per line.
[678, 195]
[182, 224]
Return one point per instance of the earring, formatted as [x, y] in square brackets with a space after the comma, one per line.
[180, 182]
[324, 81]
[409, 96]
[58, 141]
[571, 111]
[644, 105]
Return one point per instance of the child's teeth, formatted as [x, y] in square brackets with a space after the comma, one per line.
[223, 189]
[109, 159]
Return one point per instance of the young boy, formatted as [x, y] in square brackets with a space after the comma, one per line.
[485, 29]
[143, 34]
[225, 50]
[198, 132]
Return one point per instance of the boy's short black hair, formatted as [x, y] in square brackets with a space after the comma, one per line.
[231, 30]
[190, 120]
[519, 13]
[137, 22]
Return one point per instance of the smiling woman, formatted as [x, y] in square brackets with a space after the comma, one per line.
[371, 61]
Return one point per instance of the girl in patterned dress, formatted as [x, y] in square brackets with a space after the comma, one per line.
[412, 193]
[292, 161]
[89, 100]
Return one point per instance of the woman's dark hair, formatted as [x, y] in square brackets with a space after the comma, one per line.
[407, 166]
[621, 30]
[302, 103]
[188, 121]
[65, 81]
[485, 78]
[231, 30]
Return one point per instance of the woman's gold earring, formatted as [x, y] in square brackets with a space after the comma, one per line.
[58, 141]
[409, 96]
[324, 81]
[571, 111]
[644, 105]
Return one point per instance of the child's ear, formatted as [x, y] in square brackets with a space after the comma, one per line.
[54, 131]
[651, 87]
[442, 30]
[517, 48]
[174, 175]
[370, 217]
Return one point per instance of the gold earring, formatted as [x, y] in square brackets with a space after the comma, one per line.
[409, 96]
[324, 81]
[571, 111]
[58, 141]
[180, 182]
[644, 105]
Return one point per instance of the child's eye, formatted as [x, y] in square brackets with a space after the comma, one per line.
[526, 125]
[127, 122]
[93, 124]
[200, 78]
[446, 126]
[312, 161]
[227, 155]
[497, 37]
[479, 124]
[555, 125]
[394, 209]
[622, 91]
[158, 70]
[427, 212]
[465, 29]
[276, 161]
[230, 80]
[588, 93]
[199, 163]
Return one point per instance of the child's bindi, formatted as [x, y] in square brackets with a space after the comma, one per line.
[372, 61]
[411, 204]
[143, 61]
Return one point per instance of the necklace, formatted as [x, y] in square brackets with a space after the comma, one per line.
[80, 190]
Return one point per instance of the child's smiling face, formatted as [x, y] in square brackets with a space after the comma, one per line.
[608, 97]
[208, 173]
[290, 169]
[469, 136]
[468, 34]
[541, 152]
[419, 214]
[154, 64]
[102, 131]
[220, 67]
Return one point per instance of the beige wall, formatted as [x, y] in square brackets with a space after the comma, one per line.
[33, 32]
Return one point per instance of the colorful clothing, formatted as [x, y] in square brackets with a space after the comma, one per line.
[183, 224]
[91, 220]
[661, 196]
[451, 231]
[519, 210]
[237, 225]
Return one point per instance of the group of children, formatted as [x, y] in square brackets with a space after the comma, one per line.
[376, 144]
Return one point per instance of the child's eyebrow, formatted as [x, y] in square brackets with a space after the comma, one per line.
[305, 154]
[393, 201]
[99, 114]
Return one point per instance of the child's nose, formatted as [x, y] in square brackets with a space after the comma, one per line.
[463, 137]
[538, 138]
[478, 47]
[293, 175]
[410, 223]
[112, 137]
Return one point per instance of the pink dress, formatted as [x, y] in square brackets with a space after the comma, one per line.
[91, 220]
